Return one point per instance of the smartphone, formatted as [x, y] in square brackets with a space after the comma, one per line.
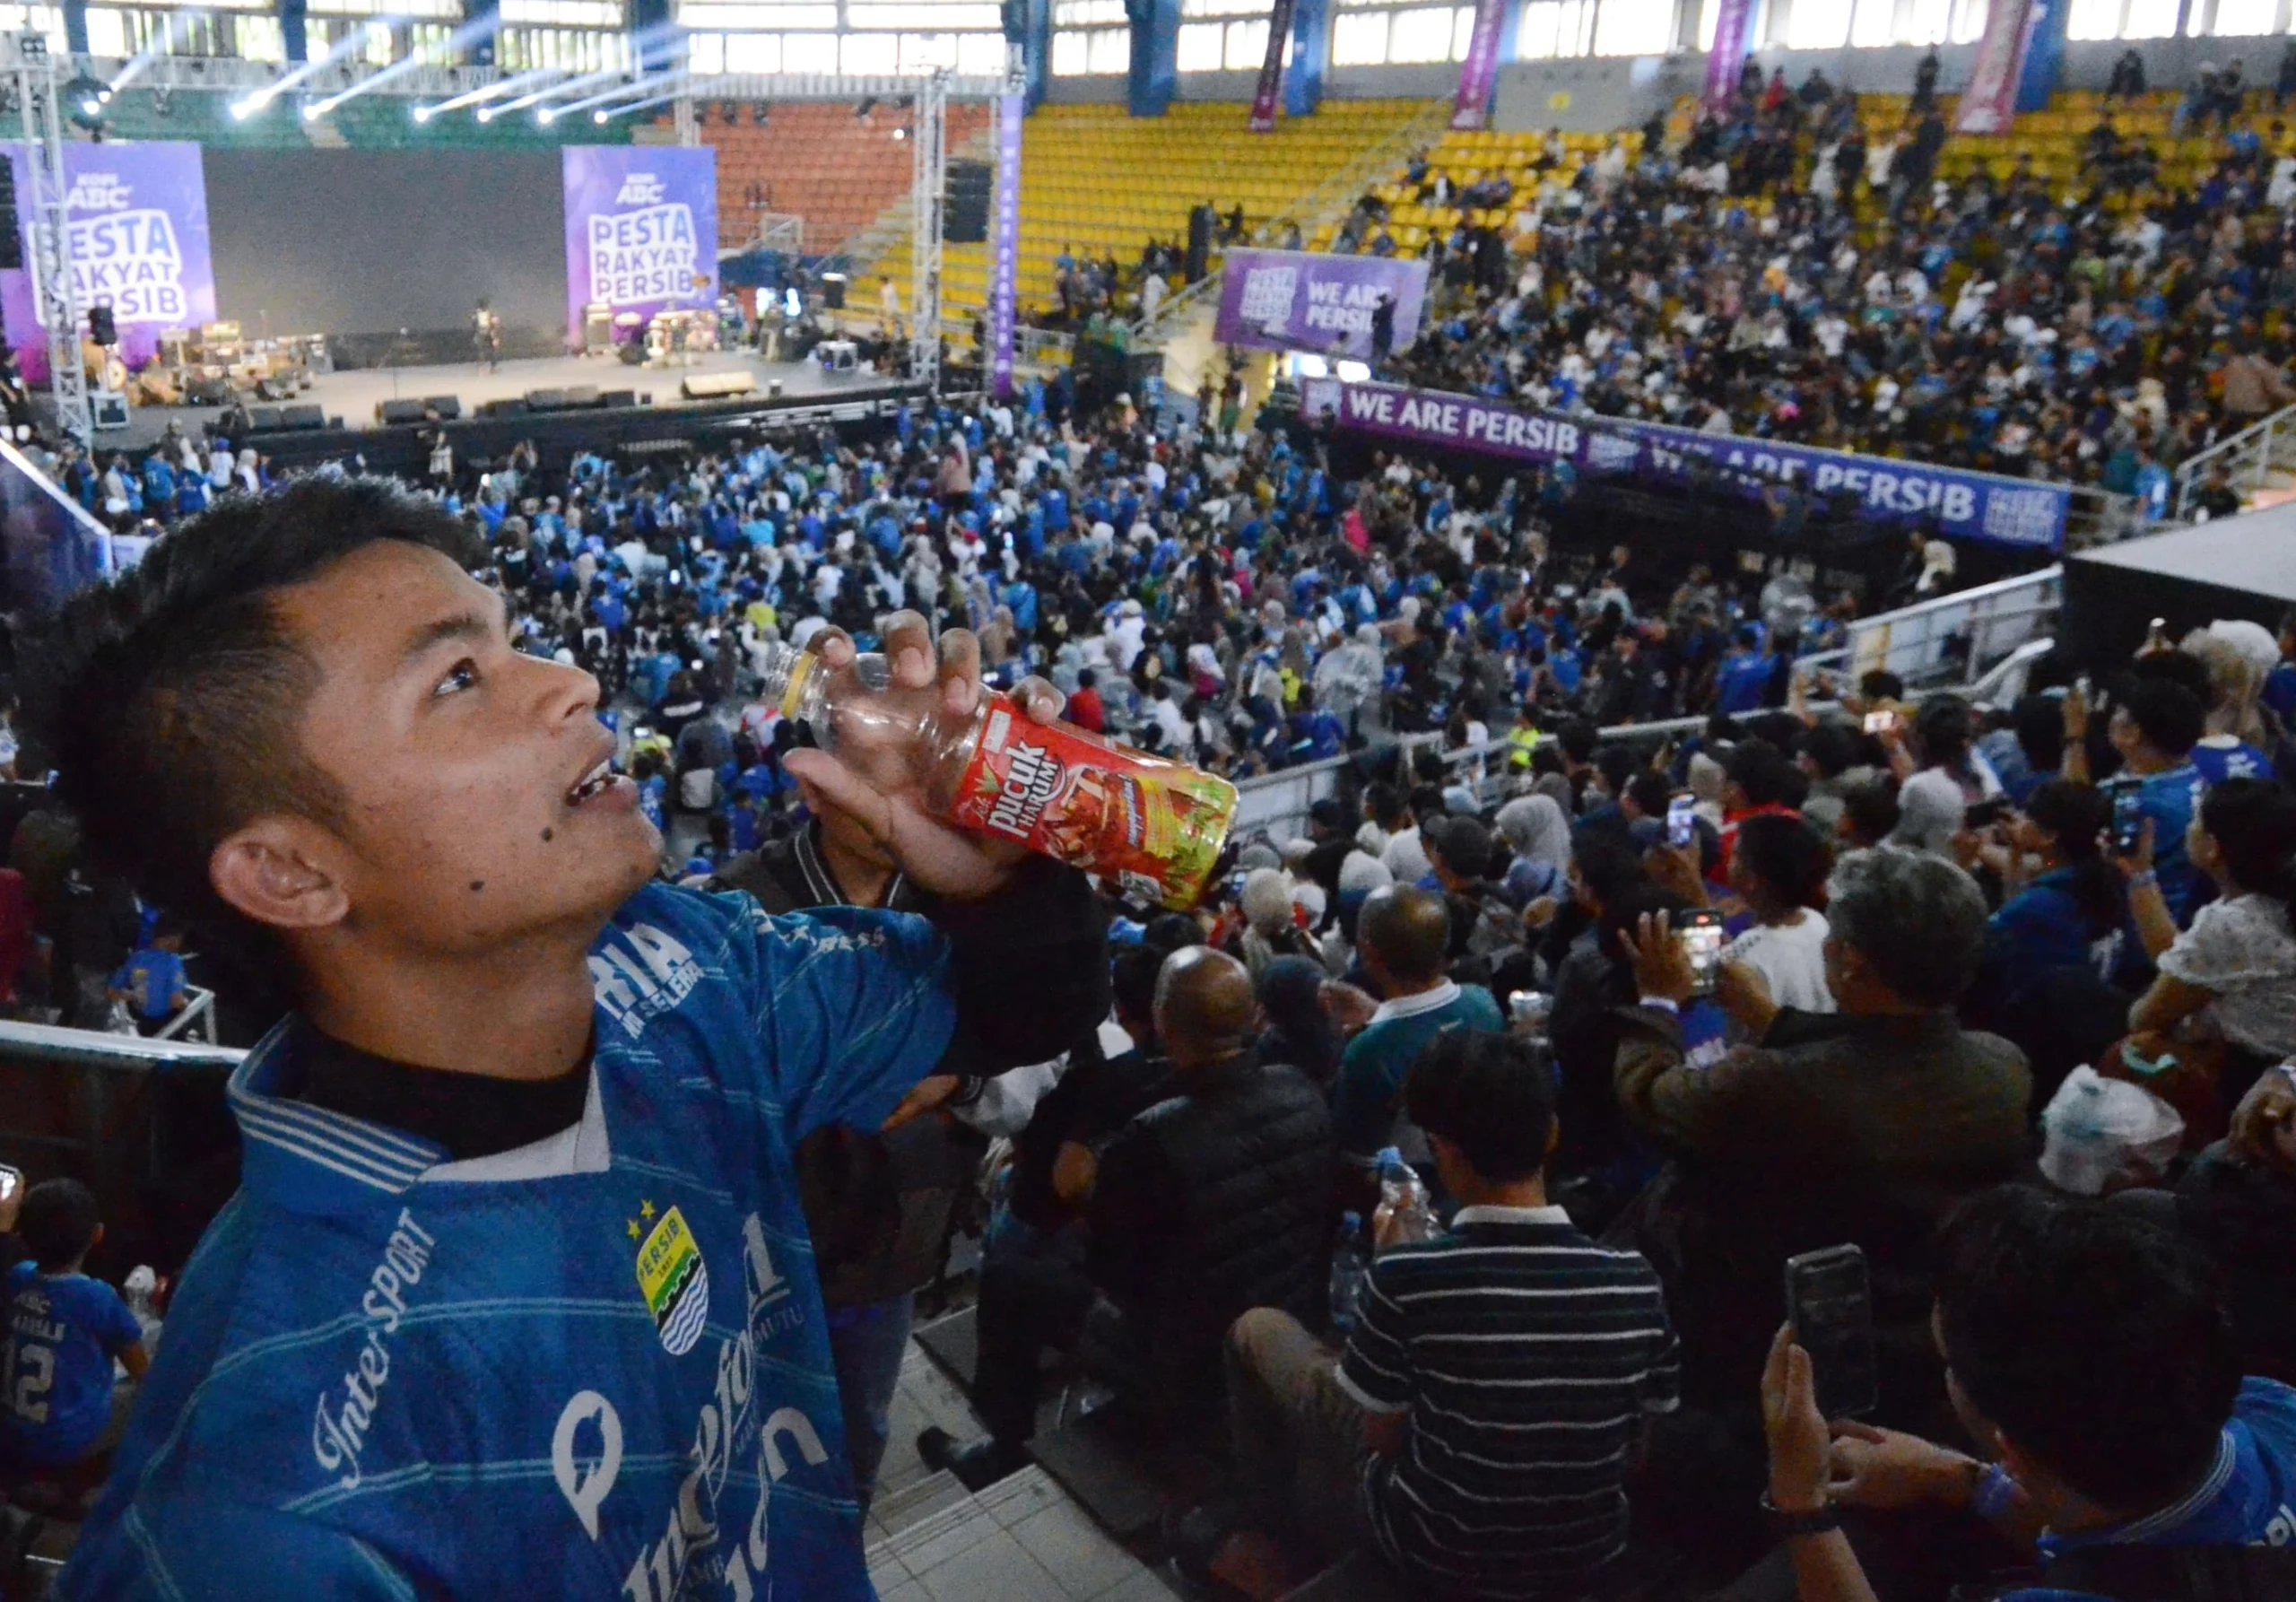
[1700, 933]
[1881, 722]
[11, 1184]
[2128, 818]
[1985, 813]
[1831, 1304]
[1681, 821]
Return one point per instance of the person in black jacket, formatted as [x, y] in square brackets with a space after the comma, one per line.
[1208, 1204]
[878, 1206]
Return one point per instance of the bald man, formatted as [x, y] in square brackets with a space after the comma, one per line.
[1208, 1204]
[1404, 934]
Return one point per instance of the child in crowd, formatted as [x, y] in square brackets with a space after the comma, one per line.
[151, 983]
[59, 1407]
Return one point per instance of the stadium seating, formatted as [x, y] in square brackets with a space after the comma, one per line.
[820, 162]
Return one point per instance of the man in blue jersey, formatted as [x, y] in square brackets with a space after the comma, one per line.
[516, 1299]
[2089, 1354]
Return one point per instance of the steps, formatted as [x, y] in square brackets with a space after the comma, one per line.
[1020, 1540]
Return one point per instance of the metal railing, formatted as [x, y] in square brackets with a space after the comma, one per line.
[2250, 457]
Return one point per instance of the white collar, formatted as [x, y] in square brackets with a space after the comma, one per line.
[1411, 1007]
[1547, 1215]
[580, 1148]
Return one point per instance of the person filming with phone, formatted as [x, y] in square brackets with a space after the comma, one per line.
[2089, 1357]
[1877, 1120]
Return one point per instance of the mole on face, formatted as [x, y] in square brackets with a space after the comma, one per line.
[548, 835]
[476, 885]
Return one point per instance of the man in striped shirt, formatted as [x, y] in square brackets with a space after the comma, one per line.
[1478, 1428]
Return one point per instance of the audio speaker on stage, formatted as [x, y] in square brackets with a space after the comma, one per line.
[103, 327]
[12, 239]
[545, 400]
[773, 388]
[970, 186]
[511, 406]
[580, 397]
[263, 420]
[618, 397]
[718, 385]
[833, 291]
[448, 406]
[303, 417]
[393, 414]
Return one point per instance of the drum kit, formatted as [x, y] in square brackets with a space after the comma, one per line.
[214, 365]
[674, 338]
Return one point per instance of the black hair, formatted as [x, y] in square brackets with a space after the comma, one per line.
[1943, 728]
[1616, 764]
[1387, 804]
[1492, 1096]
[2177, 668]
[1133, 982]
[1787, 856]
[1872, 809]
[181, 680]
[2077, 814]
[1168, 932]
[2170, 717]
[1464, 844]
[2254, 823]
[1427, 803]
[1649, 792]
[1578, 737]
[59, 1222]
[1761, 770]
[1832, 749]
[1608, 857]
[2048, 1306]
[1881, 684]
[2039, 721]
[1086, 678]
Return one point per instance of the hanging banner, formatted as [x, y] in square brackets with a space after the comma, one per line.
[1989, 103]
[1305, 300]
[1303, 85]
[137, 218]
[1271, 68]
[1005, 268]
[1479, 73]
[1726, 59]
[2027, 513]
[641, 230]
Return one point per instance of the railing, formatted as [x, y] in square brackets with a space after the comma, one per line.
[1309, 212]
[778, 230]
[2250, 455]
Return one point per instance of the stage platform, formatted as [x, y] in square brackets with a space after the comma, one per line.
[354, 396]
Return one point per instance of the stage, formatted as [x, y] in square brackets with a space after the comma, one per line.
[354, 396]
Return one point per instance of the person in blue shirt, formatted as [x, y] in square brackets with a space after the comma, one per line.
[1742, 680]
[517, 1298]
[151, 982]
[2090, 1354]
[59, 1407]
[2155, 723]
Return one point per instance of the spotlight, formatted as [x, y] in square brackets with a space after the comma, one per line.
[423, 113]
[545, 116]
[757, 114]
[598, 116]
[868, 104]
[486, 114]
[900, 133]
[731, 113]
[314, 112]
[86, 96]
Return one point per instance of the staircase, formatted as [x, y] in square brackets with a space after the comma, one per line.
[2260, 460]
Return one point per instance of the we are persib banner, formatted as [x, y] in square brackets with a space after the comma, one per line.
[1989, 104]
[1306, 301]
[2023, 512]
[1005, 275]
[137, 216]
[641, 229]
[1727, 56]
[1271, 68]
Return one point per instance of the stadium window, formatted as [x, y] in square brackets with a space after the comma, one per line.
[1647, 27]
[2245, 19]
[1926, 22]
[809, 53]
[748, 19]
[927, 19]
[2149, 19]
[1111, 50]
[1422, 34]
[752, 52]
[563, 13]
[1969, 19]
[1818, 24]
[980, 54]
[1462, 31]
[1198, 50]
[1360, 39]
[704, 53]
[260, 38]
[108, 33]
[1534, 34]
[868, 54]
[1088, 13]
[1246, 46]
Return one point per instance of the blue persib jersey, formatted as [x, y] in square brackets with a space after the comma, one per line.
[56, 1353]
[594, 1367]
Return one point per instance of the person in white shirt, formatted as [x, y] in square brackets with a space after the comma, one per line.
[1407, 854]
[219, 465]
[1778, 867]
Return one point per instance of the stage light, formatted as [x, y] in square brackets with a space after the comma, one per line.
[545, 116]
[423, 113]
[86, 96]
[868, 104]
[598, 116]
[486, 114]
[900, 134]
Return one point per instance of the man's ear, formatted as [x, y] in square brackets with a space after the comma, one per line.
[279, 871]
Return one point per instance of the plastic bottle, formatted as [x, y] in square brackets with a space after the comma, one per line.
[1406, 1212]
[142, 1283]
[1351, 1266]
[1154, 827]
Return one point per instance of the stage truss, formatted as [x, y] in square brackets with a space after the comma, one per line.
[929, 198]
[30, 75]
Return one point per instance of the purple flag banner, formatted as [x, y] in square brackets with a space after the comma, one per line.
[1728, 58]
[1271, 69]
[1989, 103]
[1004, 266]
[641, 229]
[137, 217]
[1305, 300]
[2023, 512]
[1480, 71]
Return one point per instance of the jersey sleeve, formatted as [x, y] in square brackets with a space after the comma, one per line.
[115, 1326]
[169, 1550]
[854, 1008]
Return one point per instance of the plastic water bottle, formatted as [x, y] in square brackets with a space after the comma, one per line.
[141, 1286]
[1405, 1213]
[1351, 1266]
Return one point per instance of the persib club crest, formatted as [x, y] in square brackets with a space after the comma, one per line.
[673, 1279]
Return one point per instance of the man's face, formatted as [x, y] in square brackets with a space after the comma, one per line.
[463, 762]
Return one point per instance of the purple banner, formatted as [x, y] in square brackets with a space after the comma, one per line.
[2023, 512]
[1480, 71]
[1304, 301]
[1726, 57]
[137, 217]
[1004, 266]
[1989, 104]
[641, 229]
[1271, 69]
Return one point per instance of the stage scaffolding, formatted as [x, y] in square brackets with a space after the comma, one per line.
[32, 78]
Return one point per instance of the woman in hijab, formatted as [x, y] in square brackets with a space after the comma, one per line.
[1299, 1031]
[1539, 835]
[1556, 788]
